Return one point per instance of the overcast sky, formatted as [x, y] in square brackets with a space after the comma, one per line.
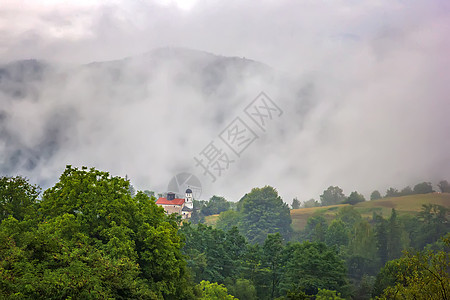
[380, 74]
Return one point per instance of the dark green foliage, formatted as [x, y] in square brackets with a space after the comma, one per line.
[406, 191]
[354, 198]
[421, 275]
[381, 234]
[17, 197]
[391, 192]
[316, 228]
[433, 223]
[394, 237]
[444, 186]
[214, 255]
[423, 188]
[311, 203]
[364, 289]
[264, 212]
[89, 238]
[331, 196]
[252, 269]
[386, 277]
[242, 289]
[337, 234]
[228, 219]
[362, 251]
[92, 240]
[197, 217]
[216, 205]
[272, 250]
[295, 203]
[426, 277]
[375, 195]
[312, 266]
[349, 215]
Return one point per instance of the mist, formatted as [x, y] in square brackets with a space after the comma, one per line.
[140, 88]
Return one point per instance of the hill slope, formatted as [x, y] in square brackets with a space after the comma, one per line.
[404, 205]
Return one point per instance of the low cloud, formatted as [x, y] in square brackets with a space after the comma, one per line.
[362, 87]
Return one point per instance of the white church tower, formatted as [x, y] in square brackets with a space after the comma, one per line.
[188, 203]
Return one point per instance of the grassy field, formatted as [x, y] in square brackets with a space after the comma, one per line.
[403, 205]
[211, 220]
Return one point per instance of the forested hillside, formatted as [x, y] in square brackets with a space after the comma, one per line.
[90, 237]
[404, 205]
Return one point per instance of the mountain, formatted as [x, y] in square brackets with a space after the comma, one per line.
[125, 115]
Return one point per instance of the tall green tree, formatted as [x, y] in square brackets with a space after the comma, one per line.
[395, 237]
[331, 196]
[216, 205]
[444, 186]
[295, 203]
[252, 268]
[243, 289]
[422, 275]
[272, 251]
[92, 240]
[17, 197]
[354, 198]
[313, 266]
[433, 224]
[382, 238]
[264, 212]
[311, 203]
[349, 215]
[406, 191]
[375, 195]
[423, 188]
[391, 192]
[316, 229]
[337, 234]
[362, 256]
[214, 255]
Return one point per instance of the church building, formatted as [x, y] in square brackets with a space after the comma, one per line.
[172, 205]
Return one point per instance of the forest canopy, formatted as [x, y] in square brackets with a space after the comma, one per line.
[90, 236]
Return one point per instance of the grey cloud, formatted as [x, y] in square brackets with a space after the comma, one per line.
[362, 87]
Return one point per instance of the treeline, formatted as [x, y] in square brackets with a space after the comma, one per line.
[343, 256]
[263, 271]
[88, 238]
[92, 237]
[334, 195]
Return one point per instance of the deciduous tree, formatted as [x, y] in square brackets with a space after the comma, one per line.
[17, 197]
[331, 196]
[423, 188]
[444, 186]
[354, 198]
[264, 212]
[375, 195]
[295, 203]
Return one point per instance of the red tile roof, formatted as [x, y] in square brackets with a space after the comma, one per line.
[176, 201]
